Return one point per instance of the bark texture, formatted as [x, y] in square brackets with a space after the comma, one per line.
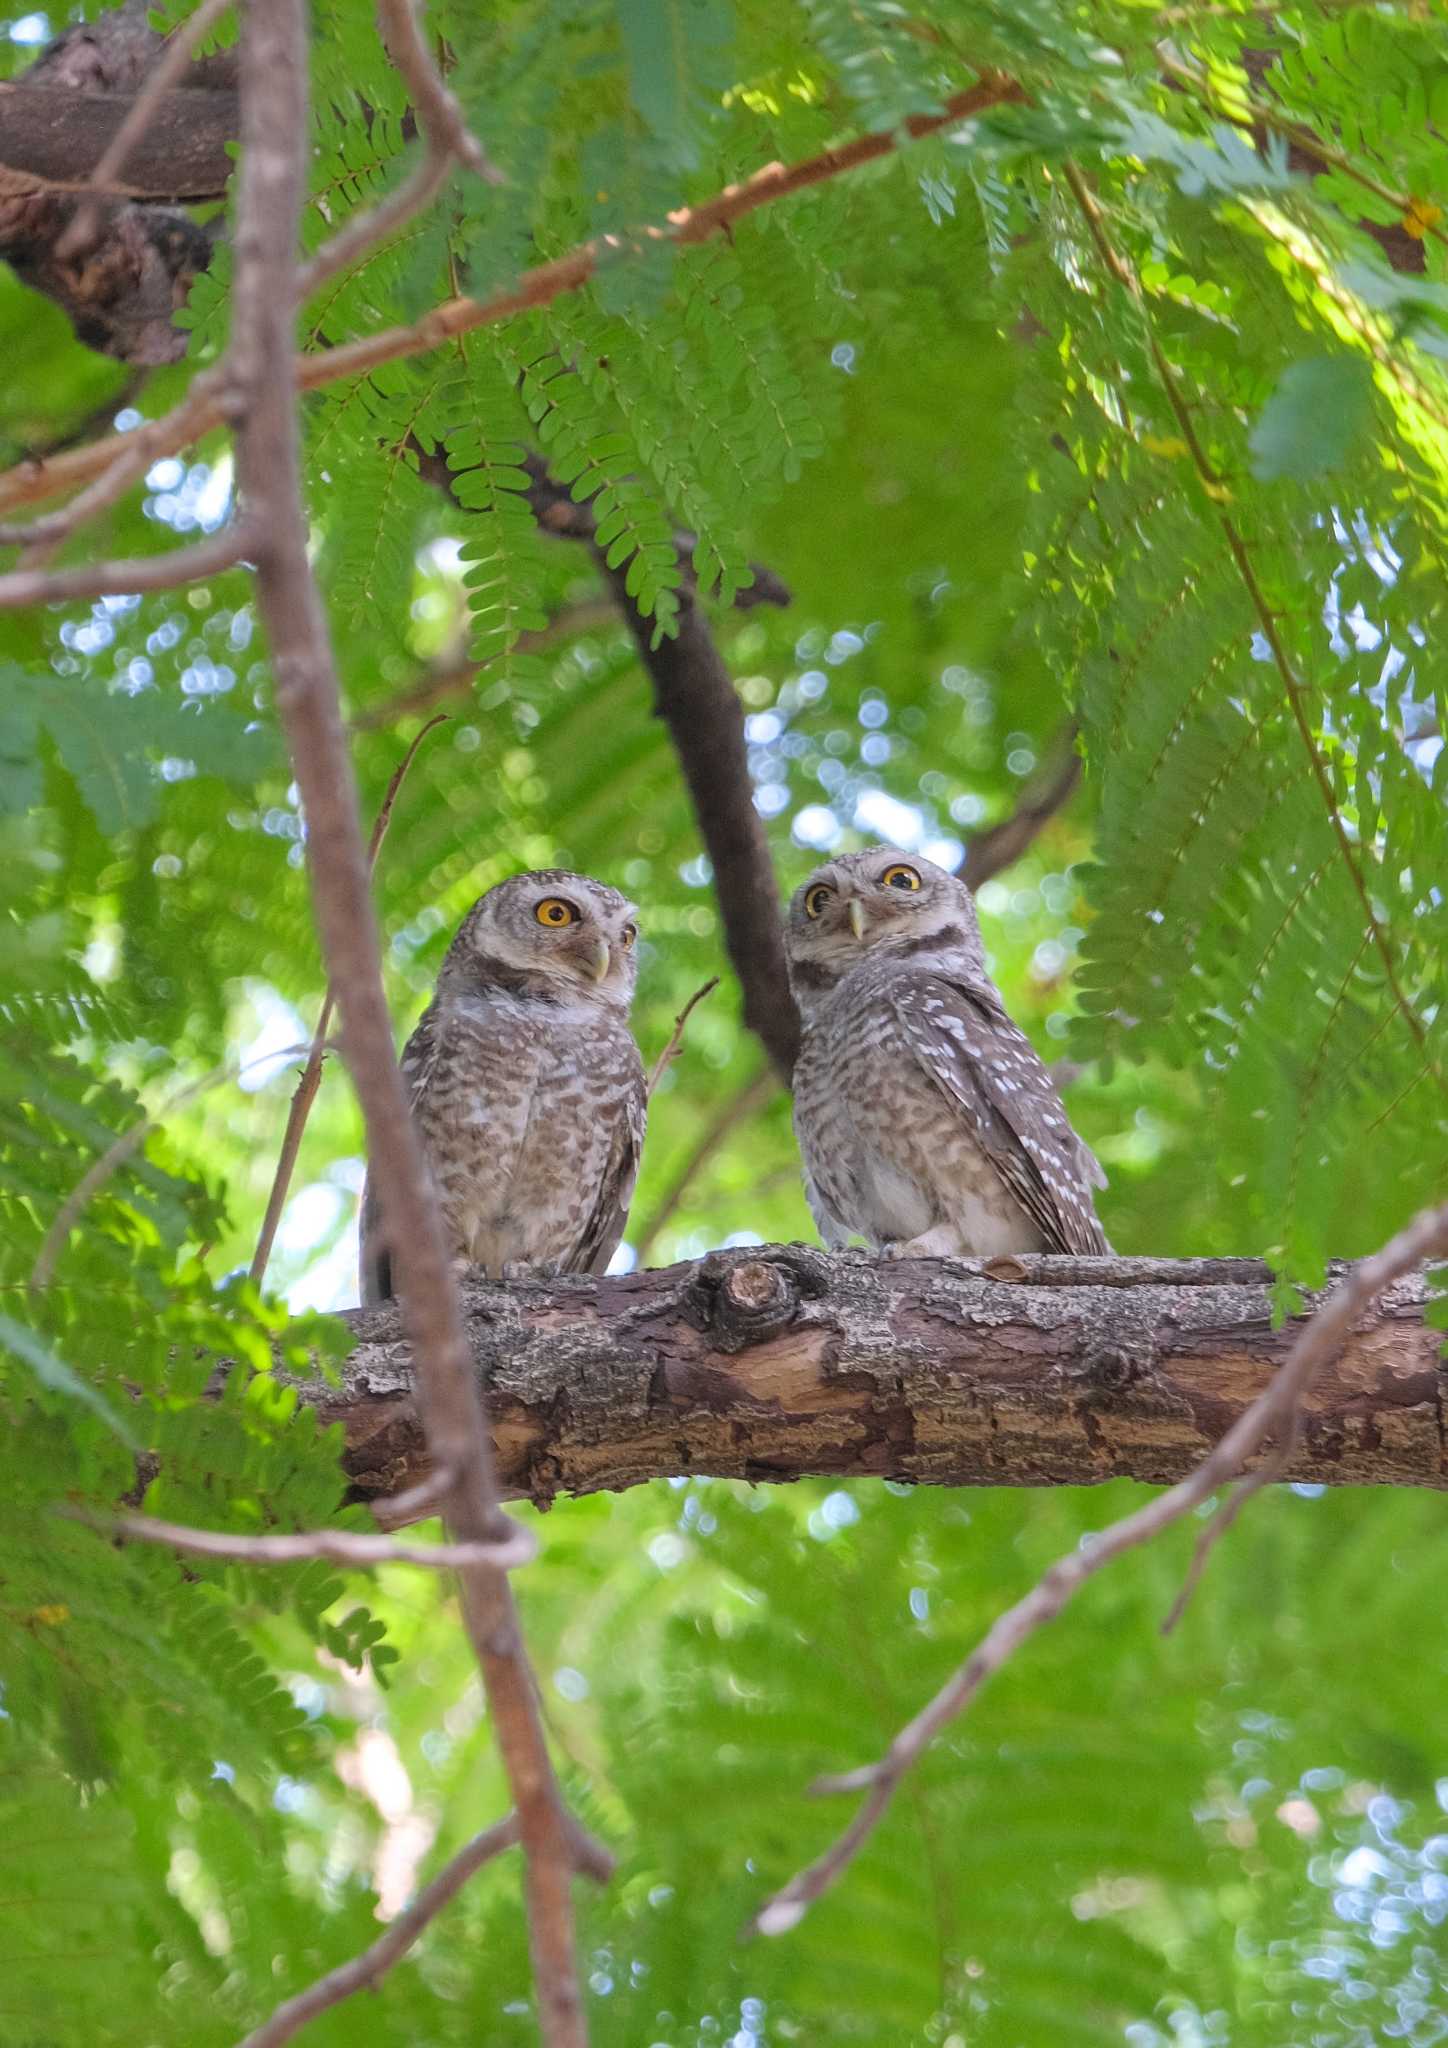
[779, 1363]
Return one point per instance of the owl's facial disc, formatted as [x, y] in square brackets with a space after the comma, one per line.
[868, 903]
[555, 934]
[886, 901]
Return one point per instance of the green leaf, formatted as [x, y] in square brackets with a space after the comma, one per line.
[54, 1373]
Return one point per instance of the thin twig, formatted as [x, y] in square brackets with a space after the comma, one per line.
[447, 141]
[1118, 267]
[275, 128]
[761, 1088]
[1272, 1413]
[676, 1037]
[28, 483]
[438, 111]
[132, 454]
[305, 1093]
[174, 57]
[366, 1971]
[128, 578]
[337, 1546]
[115, 1156]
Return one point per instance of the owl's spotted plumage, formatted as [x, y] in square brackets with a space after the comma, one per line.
[527, 1088]
[927, 1123]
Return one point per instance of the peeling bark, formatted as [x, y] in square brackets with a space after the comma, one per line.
[779, 1363]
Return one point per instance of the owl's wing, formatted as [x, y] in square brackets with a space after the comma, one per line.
[990, 1074]
[599, 1239]
[374, 1256]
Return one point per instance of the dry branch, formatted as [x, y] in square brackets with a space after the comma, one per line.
[778, 1363]
[337, 1546]
[364, 1972]
[125, 578]
[275, 131]
[674, 1044]
[448, 142]
[1276, 1413]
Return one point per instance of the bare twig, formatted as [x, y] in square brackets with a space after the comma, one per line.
[447, 140]
[456, 678]
[990, 851]
[29, 483]
[1273, 1413]
[305, 1093]
[364, 1972]
[337, 1546]
[675, 1042]
[174, 58]
[740, 1106]
[274, 135]
[115, 1156]
[128, 578]
[439, 115]
[132, 455]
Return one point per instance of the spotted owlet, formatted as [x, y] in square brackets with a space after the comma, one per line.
[526, 1085]
[927, 1123]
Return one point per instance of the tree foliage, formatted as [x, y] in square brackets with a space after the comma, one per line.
[1119, 409]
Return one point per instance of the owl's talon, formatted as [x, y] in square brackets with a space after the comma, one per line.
[531, 1269]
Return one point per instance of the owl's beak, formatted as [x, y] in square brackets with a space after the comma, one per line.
[855, 911]
[594, 959]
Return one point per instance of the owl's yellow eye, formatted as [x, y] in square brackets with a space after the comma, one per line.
[629, 934]
[555, 913]
[899, 877]
[817, 898]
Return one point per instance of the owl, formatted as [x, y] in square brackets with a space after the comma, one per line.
[527, 1088]
[926, 1121]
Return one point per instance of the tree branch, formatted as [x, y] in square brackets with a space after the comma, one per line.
[337, 1546]
[694, 695]
[173, 59]
[29, 483]
[123, 578]
[364, 1972]
[447, 142]
[275, 132]
[674, 1044]
[778, 1363]
[990, 851]
[1276, 1411]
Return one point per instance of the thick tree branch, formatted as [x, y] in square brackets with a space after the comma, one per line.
[1276, 1414]
[779, 1363]
[274, 134]
[694, 695]
[57, 138]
